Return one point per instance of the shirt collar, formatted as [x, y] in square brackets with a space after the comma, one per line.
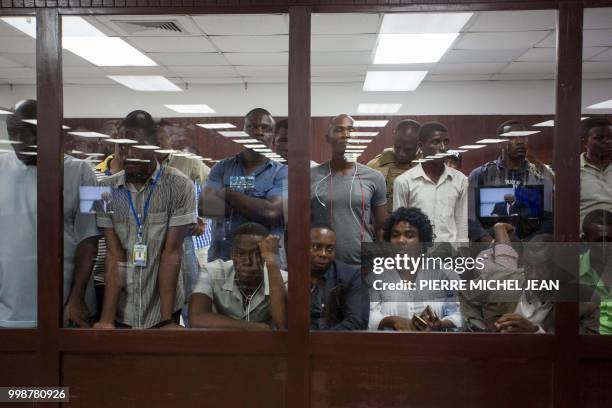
[584, 162]
[387, 157]
[419, 172]
[122, 181]
[231, 285]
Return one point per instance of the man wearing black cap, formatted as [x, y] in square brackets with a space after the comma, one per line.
[513, 169]
[154, 209]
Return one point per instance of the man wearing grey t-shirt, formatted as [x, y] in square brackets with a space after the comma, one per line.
[349, 196]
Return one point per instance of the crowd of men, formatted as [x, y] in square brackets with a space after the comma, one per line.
[171, 243]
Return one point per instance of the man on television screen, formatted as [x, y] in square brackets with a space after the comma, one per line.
[510, 207]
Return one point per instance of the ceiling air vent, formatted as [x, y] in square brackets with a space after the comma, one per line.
[149, 27]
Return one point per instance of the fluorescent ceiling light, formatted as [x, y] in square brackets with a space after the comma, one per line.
[216, 125]
[393, 81]
[412, 48]
[146, 147]
[207, 158]
[454, 151]
[6, 141]
[378, 108]
[551, 122]
[492, 141]
[201, 108]
[602, 105]
[246, 141]
[421, 160]
[238, 133]
[262, 150]
[34, 122]
[183, 154]
[94, 154]
[519, 133]
[5, 112]
[471, 147]
[255, 146]
[359, 140]
[88, 134]
[89, 43]
[434, 157]
[370, 123]
[415, 23]
[121, 141]
[76, 152]
[165, 151]
[364, 134]
[146, 83]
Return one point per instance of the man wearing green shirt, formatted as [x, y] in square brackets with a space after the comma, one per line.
[596, 262]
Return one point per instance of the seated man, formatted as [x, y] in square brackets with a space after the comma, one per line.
[410, 231]
[526, 311]
[337, 299]
[510, 207]
[247, 292]
[596, 262]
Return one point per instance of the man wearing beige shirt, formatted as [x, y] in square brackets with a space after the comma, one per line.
[595, 168]
[438, 190]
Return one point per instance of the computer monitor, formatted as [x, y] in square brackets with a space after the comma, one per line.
[526, 202]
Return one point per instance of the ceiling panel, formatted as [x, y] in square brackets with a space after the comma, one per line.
[530, 68]
[9, 62]
[267, 80]
[18, 81]
[136, 71]
[267, 43]
[188, 58]
[257, 24]
[341, 58]
[355, 42]
[550, 54]
[597, 38]
[204, 71]
[596, 75]
[83, 72]
[18, 45]
[212, 80]
[597, 67]
[342, 79]
[263, 58]
[476, 68]
[262, 71]
[459, 56]
[345, 23]
[604, 56]
[171, 44]
[452, 77]
[9, 31]
[499, 40]
[597, 18]
[528, 20]
[13, 73]
[339, 70]
[522, 77]
[89, 81]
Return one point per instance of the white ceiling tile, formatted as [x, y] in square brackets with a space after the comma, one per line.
[604, 56]
[476, 68]
[338, 70]
[597, 38]
[344, 79]
[262, 71]
[171, 44]
[459, 56]
[9, 62]
[124, 25]
[212, 80]
[273, 59]
[89, 81]
[188, 58]
[158, 70]
[530, 68]
[598, 18]
[341, 58]
[82, 72]
[19, 45]
[71, 60]
[464, 77]
[204, 71]
[521, 77]
[499, 40]
[345, 23]
[596, 75]
[604, 67]
[356, 42]
[18, 81]
[13, 73]
[549, 41]
[7, 30]
[550, 54]
[528, 20]
[268, 43]
[257, 24]
[267, 80]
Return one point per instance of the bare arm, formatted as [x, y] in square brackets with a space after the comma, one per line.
[268, 211]
[380, 215]
[202, 316]
[211, 204]
[115, 259]
[169, 268]
[278, 295]
[76, 309]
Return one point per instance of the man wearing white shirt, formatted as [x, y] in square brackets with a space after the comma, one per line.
[438, 190]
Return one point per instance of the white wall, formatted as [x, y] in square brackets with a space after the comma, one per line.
[442, 98]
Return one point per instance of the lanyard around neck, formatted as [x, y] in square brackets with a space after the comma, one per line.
[139, 222]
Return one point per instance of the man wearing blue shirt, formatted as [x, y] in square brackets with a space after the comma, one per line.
[247, 187]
